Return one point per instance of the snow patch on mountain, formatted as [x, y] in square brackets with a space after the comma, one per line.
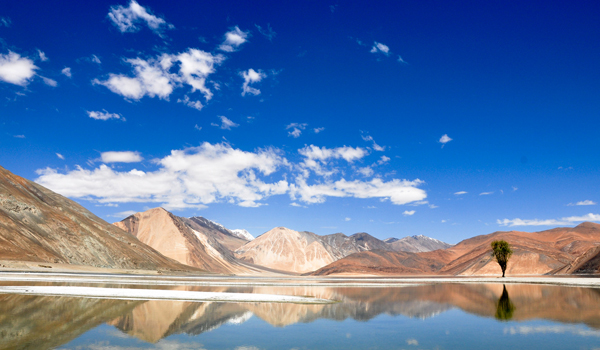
[241, 233]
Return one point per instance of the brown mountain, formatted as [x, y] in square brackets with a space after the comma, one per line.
[416, 244]
[186, 241]
[560, 250]
[287, 250]
[38, 225]
[381, 262]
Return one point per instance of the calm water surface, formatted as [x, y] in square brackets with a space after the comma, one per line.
[438, 316]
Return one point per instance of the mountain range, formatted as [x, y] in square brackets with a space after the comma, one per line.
[45, 230]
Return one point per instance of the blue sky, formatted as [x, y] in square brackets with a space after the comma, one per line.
[392, 118]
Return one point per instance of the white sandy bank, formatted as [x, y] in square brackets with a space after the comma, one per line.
[154, 294]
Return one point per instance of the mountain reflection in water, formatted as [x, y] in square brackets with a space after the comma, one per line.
[39, 322]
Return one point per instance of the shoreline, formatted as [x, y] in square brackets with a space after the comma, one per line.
[241, 281]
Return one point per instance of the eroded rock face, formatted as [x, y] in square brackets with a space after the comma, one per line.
[38, 225]
[185, 241]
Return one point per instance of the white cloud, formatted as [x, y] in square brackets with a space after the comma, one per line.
[104, 115]
[549, 222]
[267, 32]
[188, 178]
[233, 39]
[485, 193]
[444, 140]
[60, 156]
[192, 104]
[126, 19]
[514, 188]
[19, 136]
[153, 77]
[226, 123]
[296, 129]
[15, 69]
[409, 212]
[401, 60]
[316, 158]
[460, 192]
[251, 76]
[397, 191]
[318, 130]
[585, 202]
[197, 176]
[42, 56]
[347, 219]
[197, 127]
[95, 59]
[67, 72]
[121, 157]
[49, 82]
[380, 48]
[366, 171]
[383, 160]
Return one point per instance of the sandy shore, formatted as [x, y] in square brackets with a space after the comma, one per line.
[229, 281]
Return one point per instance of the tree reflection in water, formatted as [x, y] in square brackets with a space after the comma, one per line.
[505, 309]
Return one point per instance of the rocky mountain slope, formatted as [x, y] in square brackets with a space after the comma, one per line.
[224, 236]
[39, 225]
[191, 241]
[416, 244]
[556, 251]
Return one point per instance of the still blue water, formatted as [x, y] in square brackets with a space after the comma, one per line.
[420, 317]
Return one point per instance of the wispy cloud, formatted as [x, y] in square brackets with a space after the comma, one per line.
[375, 146]
[121, 157]
[296, 129]
[267, 32]
[549, 222]
[104, 115]
[192, 104]
[226, 123]
[251, 76]
[127, 19]
[19, 136]
[409, 212]
[585, 202]
[15, 69]
[233, 40]
[485, 193]
[5, 21]
[42, 56]
[318, 130]
[460, 192]
[49, 82]
[347, 219]
[60, 156]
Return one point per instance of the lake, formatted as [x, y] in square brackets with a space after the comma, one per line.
[430, 316]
